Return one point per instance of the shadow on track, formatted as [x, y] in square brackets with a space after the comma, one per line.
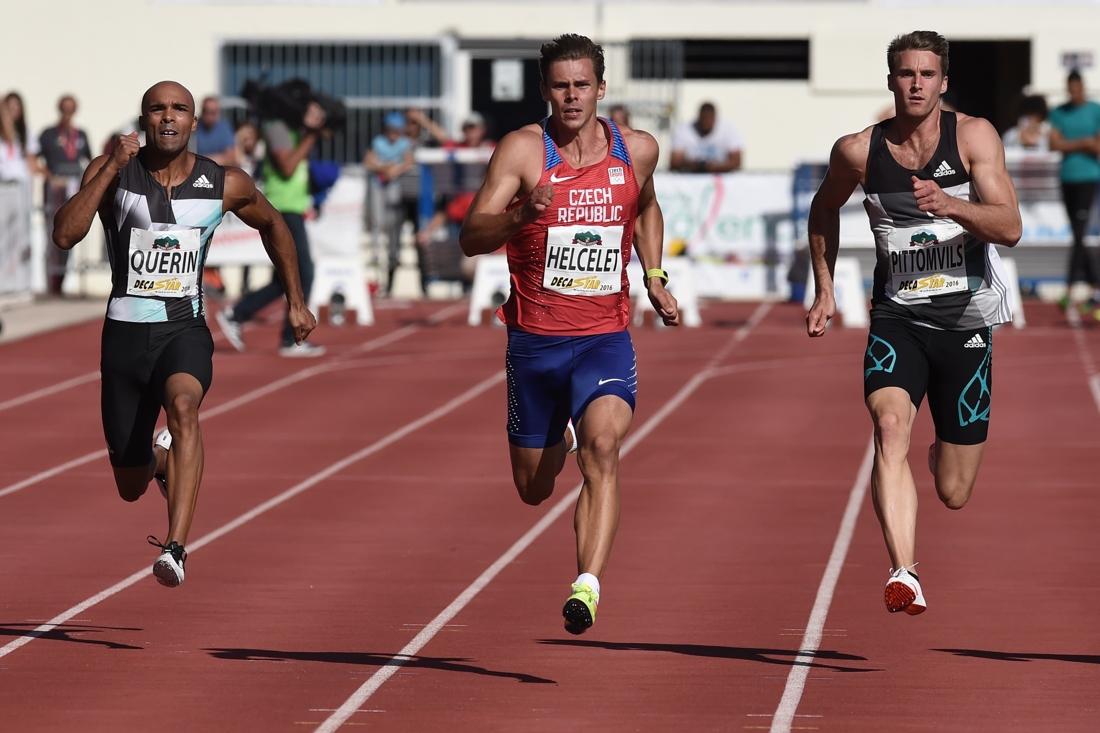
[748, 654]
[1019, 657]
[65, 632]
[367, 659]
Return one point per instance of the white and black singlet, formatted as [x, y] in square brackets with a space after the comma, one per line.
[929, 271]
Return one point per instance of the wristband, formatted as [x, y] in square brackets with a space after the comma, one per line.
[655, 272]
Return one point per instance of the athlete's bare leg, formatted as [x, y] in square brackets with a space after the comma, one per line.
[600, 434]
[182, 397]
[956, 469]
[534, 471]
[892, 487]
[132, 481]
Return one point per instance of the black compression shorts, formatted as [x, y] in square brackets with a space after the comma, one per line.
[954, 368]
[136, 361]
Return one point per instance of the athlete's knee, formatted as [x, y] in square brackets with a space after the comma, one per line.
[534, 489]
[601, 449]
[130, 486]
[892, 430]
[183, 410]
[954, 493]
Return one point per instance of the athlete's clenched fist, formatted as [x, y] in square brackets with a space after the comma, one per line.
[537, 202]
[126, 147]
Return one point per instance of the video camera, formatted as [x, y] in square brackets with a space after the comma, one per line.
[288, 102]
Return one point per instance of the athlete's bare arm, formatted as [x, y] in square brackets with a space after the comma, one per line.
[847, 169]
[513, 171]
[649, 227]
[995, 217]
[74, 219]
[242, 198]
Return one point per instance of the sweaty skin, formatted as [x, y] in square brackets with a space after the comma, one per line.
[917, 83]
[168, 119]
[514, 171]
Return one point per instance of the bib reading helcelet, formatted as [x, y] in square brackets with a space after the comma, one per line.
[164, 264]
[927, 261]
[583, 260]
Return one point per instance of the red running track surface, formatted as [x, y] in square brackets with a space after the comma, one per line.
[731, 505]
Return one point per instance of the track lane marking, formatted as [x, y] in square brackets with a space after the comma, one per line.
[255, 394]
[248, 516]
[811, 641]
[383, 673]
[51, 390]
[1091, 373]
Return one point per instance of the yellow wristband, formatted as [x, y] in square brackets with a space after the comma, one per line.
[656, 272]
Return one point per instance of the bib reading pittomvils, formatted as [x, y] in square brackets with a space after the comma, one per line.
[929, 269]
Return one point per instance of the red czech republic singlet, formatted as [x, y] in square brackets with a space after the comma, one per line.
[568, 268]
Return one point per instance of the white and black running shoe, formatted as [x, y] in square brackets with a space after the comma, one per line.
[164, 440]
[169, 566]
[230, 327]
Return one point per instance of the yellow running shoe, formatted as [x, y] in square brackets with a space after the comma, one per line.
[580, 609]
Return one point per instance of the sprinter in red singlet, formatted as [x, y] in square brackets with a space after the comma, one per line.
[571, 197]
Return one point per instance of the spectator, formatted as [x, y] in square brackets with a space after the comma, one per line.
[620, 115]
[66, 152]
[1032, 131]
[390, 157]
[286, 186]
[1075, 132]
[213, 135]
[18, 164]
[474, 133]
[707, 145]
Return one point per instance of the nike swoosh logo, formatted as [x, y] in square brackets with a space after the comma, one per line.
[602, 382]
[554, 178]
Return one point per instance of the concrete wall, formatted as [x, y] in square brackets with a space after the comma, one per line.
[109, 51]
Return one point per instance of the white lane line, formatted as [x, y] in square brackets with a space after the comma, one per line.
[260, 509]
[1086, 356]
[51, 390]
[383, 673]
[255, 394]
[796, 679]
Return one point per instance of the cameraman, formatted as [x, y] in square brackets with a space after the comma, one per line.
[286, 186]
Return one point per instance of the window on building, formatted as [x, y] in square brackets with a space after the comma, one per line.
[720, 59]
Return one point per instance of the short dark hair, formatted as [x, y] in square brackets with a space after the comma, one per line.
[918, 41]
[1035, 104]
[708, 107]
[571, 47]
[1074, 75]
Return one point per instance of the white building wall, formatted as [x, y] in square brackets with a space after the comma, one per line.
[109, 51]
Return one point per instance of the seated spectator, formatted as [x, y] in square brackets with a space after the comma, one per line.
[1032, 131]
[390, 156]
[213, 135]
[474, 133]
[707, 145]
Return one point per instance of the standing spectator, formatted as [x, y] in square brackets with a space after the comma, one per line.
[286, 186]
[707, 145]
[66, 152]
[1075, 132]
[390, 157]
[18, 164]
[250, 149]
[620, 115]
[474, 133]
[1032, 131]
[214, 135]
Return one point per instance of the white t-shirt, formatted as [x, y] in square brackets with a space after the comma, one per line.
[13, 161]
[714, 147]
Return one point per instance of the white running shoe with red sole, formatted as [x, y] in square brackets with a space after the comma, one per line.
[903, 593]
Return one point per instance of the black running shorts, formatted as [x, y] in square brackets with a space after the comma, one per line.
[136, 361]
[954, 368]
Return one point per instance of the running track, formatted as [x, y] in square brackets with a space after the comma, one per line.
[387, 465]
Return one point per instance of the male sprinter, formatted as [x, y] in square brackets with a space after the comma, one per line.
[570, 196]
[159, 206]
[937, 195]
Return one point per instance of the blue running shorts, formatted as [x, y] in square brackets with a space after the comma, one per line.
[554, 378]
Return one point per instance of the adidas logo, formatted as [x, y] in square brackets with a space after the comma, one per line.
[975, 342]
[201, 182]
[944, 170]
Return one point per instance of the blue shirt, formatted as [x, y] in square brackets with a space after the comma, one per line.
[1075, 123]
[215, 140]
[388, 152]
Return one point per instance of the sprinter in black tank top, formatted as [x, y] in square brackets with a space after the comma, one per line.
[938, 194]
[159, 206]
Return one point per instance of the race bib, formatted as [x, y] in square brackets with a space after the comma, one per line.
[163, 264]
[927, 261]
[584, 260]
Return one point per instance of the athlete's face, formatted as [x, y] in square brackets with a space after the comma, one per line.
[917, 82]
[168, 117]
[572, 91]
